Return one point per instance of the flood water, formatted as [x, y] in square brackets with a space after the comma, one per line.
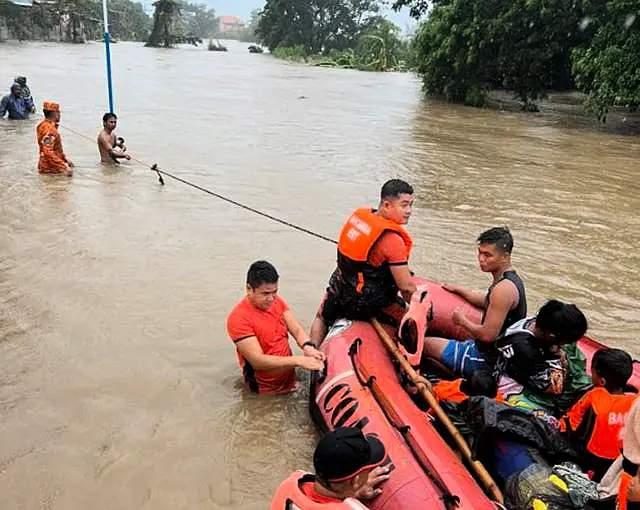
[118, 385]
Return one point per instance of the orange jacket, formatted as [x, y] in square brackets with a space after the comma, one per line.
[603, 417]
[450, 390]
[289, 496]
[357, 239]
[52, 157]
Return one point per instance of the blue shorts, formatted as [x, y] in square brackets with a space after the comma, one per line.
[463, 358]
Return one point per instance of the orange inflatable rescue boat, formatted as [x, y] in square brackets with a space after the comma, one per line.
[361, 388]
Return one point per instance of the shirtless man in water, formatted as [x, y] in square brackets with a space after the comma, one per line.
[107, 141]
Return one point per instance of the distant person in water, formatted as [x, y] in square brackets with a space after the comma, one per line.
[110, 150]
[15, 105]
[25, 92]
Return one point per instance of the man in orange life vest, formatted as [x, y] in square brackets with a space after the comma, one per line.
[373, 264]
[52, 158]
[259, 326]
[348, 468]
[596, 422]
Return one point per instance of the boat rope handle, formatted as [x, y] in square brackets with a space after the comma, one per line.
[451, 501]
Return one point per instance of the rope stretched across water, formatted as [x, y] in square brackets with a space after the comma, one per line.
[155, 168]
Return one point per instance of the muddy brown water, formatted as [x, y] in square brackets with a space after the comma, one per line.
[118, 385]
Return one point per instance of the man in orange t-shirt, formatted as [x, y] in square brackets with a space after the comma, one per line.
[373, 264]
[52, 157]
[259, 325]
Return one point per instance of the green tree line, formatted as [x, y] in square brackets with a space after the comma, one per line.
[75, 20]
[344, 33]
[465, 49]
[81, 20]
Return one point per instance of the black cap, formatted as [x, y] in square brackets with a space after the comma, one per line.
[344, 452]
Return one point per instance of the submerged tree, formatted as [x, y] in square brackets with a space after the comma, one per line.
[167, 25]
[608, 67]
[320, 26]
[379, 47]
[165, 16]
[465, 49]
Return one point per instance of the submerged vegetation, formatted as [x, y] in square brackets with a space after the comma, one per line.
[73, 21]
[346, 34]
[216, 46]
[463, 50]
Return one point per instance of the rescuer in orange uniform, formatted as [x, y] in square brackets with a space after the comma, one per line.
[373, 264]
[52, 157]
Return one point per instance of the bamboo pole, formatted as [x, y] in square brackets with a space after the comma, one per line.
[426, 391]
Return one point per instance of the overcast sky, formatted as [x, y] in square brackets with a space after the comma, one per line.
[242, 8]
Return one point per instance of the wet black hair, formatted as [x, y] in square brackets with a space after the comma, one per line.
[500, 237]
[481, 383]
[615, 366]
[48, 114]
[394, 188]
[108, 116]
[261, 272]
[564, 321]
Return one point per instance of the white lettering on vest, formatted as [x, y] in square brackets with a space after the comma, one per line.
[353, 234]
[363, 227]
[618, 418]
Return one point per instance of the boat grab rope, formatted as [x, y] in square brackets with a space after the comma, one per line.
[155, 168]
[450, 500]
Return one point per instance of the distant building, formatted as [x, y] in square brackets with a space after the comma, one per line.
[231, 25]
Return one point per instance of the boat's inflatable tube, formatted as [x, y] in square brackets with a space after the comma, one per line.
[361, 388]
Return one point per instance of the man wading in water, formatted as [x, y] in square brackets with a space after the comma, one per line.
[107, 141]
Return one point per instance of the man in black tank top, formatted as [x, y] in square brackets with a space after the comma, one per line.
[503, 304]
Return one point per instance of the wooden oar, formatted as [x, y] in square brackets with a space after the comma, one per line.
[426, 391]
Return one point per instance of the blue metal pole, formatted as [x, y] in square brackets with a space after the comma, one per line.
[107, 47]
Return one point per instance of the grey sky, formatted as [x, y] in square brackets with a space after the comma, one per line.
[242, 8]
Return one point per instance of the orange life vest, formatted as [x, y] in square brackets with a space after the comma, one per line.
[600, 417]
[52, 157]
[375, 286]
[289, 496]
[450, 390]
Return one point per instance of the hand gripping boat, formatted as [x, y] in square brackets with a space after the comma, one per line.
[361, 388]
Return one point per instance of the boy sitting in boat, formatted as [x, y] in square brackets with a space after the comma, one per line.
[348, 468]
[596, 422]
[530, 356]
